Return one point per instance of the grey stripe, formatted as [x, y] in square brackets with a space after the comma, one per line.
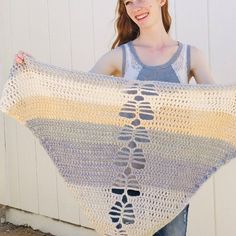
[80, 153]
[188, 60]
[123, 59]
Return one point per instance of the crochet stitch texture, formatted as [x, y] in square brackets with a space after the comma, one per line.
[132, 152]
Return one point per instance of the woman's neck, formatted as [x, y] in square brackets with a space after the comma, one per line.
[154, 37]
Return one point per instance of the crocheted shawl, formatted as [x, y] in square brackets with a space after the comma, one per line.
[132, 152]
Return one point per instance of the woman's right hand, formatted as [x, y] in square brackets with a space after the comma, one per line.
[20, 57]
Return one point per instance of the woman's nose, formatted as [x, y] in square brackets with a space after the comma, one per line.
[138, 5]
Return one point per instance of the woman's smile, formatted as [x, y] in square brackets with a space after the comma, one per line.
[141, 17]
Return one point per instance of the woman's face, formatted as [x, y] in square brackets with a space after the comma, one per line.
[143, 12]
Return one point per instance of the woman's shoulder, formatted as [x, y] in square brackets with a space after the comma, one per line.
[199, 65]
[197, 55]
[116, 52]
[110, 63]
[115, 56]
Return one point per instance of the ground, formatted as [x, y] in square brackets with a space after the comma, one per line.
[8, 229]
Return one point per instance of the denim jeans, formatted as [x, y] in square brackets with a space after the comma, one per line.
[177, 227]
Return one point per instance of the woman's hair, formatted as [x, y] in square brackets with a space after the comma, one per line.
[127, 30]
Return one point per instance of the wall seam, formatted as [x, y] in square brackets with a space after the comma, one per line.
[210, 64]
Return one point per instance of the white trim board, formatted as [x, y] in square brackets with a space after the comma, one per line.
[46, 224]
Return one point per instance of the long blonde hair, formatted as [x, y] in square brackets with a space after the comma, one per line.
[127, 30]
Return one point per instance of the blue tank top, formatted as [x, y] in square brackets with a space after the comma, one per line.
[176, 69]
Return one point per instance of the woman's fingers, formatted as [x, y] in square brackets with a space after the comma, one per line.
[19, 60]
[20, 56]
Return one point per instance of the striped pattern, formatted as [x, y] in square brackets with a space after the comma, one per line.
[132, 152]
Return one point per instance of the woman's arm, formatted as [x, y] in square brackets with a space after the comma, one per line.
[110, 63]
[200, 69]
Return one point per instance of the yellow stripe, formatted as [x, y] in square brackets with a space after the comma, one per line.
[169, 119]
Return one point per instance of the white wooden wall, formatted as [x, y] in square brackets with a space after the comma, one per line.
[74, 34]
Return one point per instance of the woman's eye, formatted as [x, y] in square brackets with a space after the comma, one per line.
[126, 3]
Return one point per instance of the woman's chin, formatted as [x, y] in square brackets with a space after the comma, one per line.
[144, 26]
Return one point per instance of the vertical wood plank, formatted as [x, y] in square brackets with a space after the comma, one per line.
[48, 203]
[5, 41]
[222, 40]
[103, 26]
[27, 169]
[82, 47]
[201, 219]
[172, 13]
[25, 144]
[40, 49]
[4, 16]
[10, 127]
[59, 30]
[61, 55]
[192, 28]
[12, 163]
[225, 194]
[3, 176]
[82, 54]
[223, 53]
[82, 50]
[192, 23]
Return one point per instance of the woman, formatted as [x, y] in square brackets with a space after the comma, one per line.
[144, 50]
